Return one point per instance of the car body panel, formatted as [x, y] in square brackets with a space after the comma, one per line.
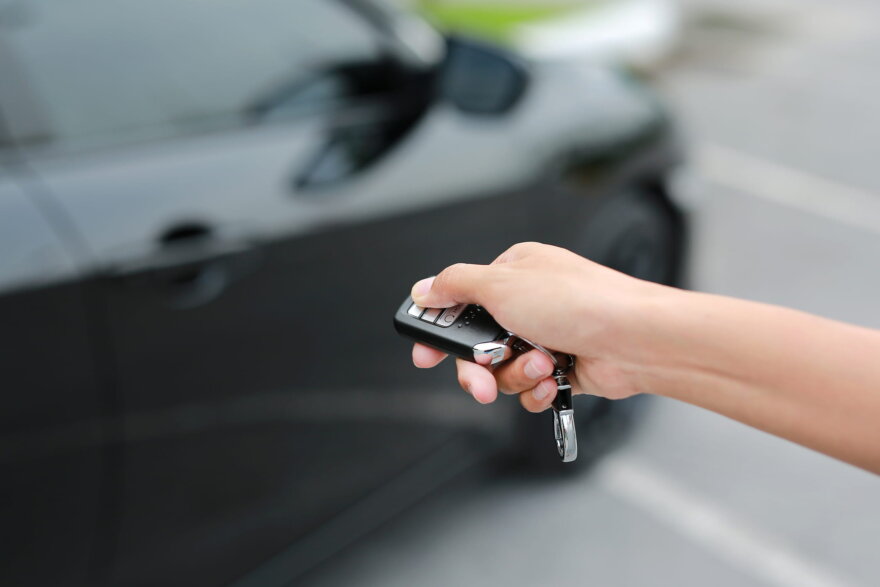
[52, 441]
[231, 380]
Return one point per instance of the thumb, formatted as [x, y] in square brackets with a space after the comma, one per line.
[457, 284]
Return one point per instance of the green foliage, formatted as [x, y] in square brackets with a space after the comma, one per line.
[491, 20]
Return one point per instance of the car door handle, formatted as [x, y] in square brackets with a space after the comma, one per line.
[189, 265]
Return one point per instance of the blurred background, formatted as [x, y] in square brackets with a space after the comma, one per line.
[210, 211]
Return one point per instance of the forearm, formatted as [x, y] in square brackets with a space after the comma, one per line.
[808, 379]
[801, 377]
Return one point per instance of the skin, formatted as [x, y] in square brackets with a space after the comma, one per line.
[808, 379]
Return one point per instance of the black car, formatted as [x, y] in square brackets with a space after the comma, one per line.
[209, 213]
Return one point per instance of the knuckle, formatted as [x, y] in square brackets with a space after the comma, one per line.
[515, 251]
[456, 269]
[494, 287]
[524, 247]
[450, 275]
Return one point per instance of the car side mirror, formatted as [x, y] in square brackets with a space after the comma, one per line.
[481, 79]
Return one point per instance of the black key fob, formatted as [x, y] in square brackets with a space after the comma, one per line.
[466, 331]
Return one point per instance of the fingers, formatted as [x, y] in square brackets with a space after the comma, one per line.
[424, 357]
[529, 376]
[459, 283]
[463, 282]
[539, 398]
[524, 372]
[535, 393]
[477, 381]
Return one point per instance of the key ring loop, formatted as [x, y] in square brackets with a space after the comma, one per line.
[563, 414]
[564, 431]
[517, 341]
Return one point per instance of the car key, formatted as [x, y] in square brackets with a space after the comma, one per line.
[469, 332]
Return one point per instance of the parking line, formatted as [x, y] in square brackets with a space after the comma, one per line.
[787, 186]
[747, 549]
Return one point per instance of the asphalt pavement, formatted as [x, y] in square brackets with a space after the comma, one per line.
[780, 107]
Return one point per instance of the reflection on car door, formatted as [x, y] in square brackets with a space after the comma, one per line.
[53, 489]
[242, 314]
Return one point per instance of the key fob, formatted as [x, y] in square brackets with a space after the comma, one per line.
[466, 331]
[469, 332]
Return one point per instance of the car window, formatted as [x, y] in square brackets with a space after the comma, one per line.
[109, 71]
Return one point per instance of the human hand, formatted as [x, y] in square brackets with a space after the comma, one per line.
[770, 367]
[559, 300]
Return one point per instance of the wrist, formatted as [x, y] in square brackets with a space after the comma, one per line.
[666, 352]
[625, 341]
[692, 342]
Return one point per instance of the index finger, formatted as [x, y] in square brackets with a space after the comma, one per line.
[461, 283]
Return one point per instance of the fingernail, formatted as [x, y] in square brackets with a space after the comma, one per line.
[542, 390]
[534, 370]
[421, 288]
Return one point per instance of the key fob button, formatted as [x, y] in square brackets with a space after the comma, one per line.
[449, 315]
[415, 311]
[431, 314]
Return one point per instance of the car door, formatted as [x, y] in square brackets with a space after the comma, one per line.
[249, 257]
[53, 419]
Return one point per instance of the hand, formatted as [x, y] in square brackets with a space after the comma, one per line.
[558, 300]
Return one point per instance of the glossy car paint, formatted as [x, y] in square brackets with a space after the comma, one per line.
[199, 367]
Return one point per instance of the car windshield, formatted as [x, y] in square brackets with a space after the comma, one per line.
[98, 71]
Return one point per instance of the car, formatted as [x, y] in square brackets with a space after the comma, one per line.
[209, 213]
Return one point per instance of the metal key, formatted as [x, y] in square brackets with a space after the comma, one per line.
[470, 332]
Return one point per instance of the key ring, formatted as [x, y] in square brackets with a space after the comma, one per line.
[563, 412]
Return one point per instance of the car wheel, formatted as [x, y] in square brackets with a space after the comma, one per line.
[638, 233]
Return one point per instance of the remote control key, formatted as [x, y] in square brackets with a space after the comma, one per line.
[431, 314]
[449, 315]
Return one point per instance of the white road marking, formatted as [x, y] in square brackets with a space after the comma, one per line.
[788, 186]
[746, 548]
